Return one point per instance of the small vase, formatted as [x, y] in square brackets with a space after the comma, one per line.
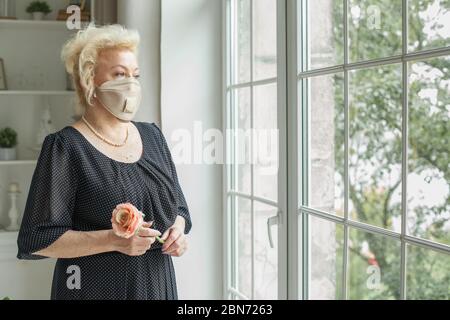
[13, 213]
[7, 154]
[38, 15]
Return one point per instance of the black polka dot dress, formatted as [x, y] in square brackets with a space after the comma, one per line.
[76, 187]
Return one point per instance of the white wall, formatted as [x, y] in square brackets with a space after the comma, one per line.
[191, 91]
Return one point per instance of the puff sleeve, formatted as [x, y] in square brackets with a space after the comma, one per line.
[51, 199]
[183, 209]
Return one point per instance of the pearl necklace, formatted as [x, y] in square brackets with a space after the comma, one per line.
[102, 137]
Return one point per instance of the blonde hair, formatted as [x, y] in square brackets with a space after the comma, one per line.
[81, 51]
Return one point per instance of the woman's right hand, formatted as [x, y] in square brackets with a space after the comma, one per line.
[138, 244]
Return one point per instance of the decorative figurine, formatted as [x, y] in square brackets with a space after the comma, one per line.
[45, 126]
[13, 212]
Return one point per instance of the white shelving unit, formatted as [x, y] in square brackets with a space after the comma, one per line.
[41, 24]
[36, 78]
[8, 245]
[37, 92]
[17, 162]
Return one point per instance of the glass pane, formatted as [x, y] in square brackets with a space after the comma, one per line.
[326, 157]
[326, 36]
[429, 150]
[375, 150]
[326, 259]
[244, 240]
[427, 275]
[264, 39]
[266, 257]
[374, 267]
[375, 29]
[240, 49]
[242, 139]
[266, 141]
[429, 24]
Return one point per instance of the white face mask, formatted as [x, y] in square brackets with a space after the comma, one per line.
[120, 97]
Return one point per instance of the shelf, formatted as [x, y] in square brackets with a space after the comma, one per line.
[8, 235]
[38, 92]
[14, 23]
[18, 162]
[8, 245]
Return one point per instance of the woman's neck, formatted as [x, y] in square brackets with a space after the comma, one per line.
[106, 123]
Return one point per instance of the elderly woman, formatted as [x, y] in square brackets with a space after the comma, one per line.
[86, 169]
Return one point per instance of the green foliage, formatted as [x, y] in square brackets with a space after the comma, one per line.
[375, 148]
[39, 6]
[8, 138]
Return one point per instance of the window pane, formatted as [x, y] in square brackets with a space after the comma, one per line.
[266, 258]
[375, 150]
[244, 240]
[240, 53]
[429, 24]
[326, 259]
[428, 274]
[374, 266]
[266, 141]
[375, 29]
[264, 39]
[326, 36]
[326, 156]
[429, 150]
[242, 139]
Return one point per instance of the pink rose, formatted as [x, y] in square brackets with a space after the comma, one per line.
[126, 220]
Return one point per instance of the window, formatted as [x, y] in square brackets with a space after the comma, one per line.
[252, 175]
[368, 87]
[375, 79]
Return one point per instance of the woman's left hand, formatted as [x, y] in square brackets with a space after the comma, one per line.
[175, 240]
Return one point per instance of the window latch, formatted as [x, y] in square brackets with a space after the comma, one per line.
[274, 220]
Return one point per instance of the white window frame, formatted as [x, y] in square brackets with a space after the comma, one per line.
[280, 204]
[304, 211]
[294, 273]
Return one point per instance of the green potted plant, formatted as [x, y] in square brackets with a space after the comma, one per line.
[8, 142]
[38, 9]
